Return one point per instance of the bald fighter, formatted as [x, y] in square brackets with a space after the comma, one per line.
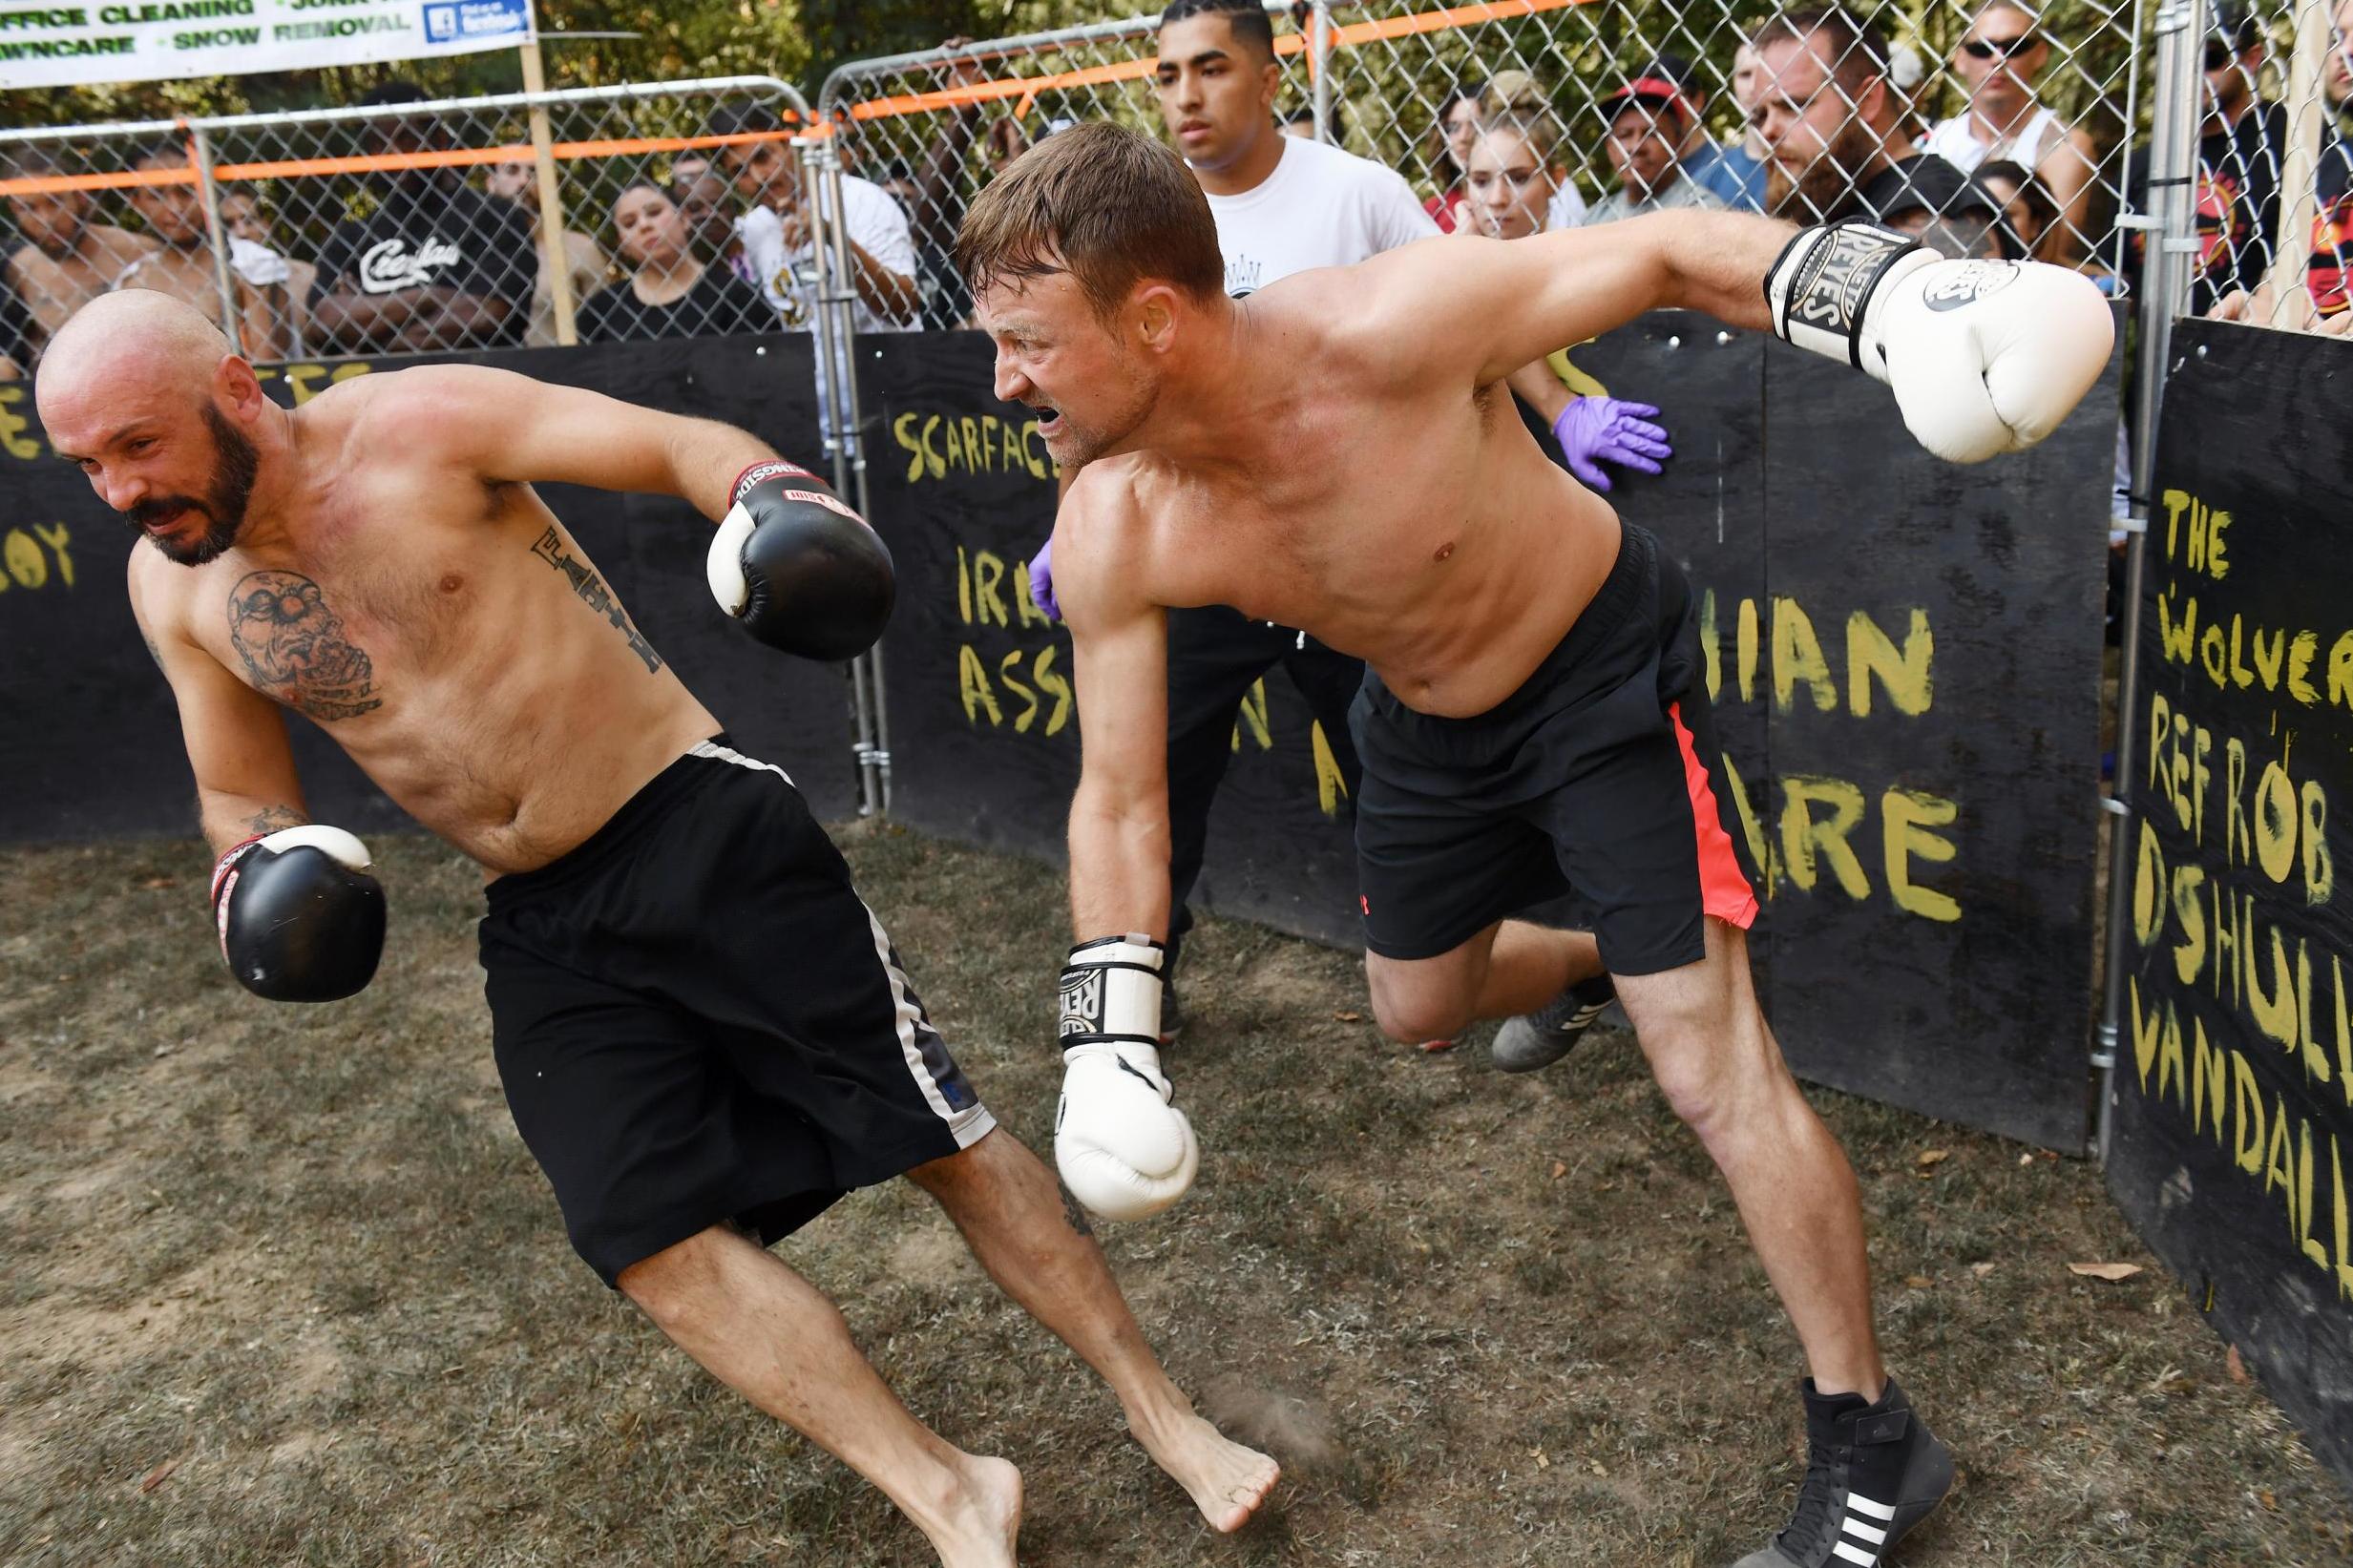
[703, 1034]
[1534, 716]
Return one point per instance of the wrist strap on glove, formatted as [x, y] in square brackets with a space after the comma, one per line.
[1819, 290]
[1110, 994]
[773, 468]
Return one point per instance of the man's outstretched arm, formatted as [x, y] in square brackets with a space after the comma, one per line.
[1124, 1148]
[1984, 356]
[510, 428]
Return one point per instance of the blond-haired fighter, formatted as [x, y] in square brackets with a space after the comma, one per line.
[1333, 453]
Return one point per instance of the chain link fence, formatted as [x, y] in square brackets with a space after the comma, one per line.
[2273, 191]
[2002, 128]
[413, 225]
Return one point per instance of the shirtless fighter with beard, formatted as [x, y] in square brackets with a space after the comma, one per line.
[703, 1034]
[1333, 453]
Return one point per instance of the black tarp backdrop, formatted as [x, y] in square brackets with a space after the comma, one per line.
[1929, 940]
[93, 744]
[2233, 1139]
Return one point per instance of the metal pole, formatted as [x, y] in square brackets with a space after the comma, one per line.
[2172, 174]
[821, 201]
[552, 253]
[231, 319]
[1319, 66]
[850, 460]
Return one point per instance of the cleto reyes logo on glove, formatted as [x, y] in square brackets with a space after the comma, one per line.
[1081, 1002]
[1968, 283]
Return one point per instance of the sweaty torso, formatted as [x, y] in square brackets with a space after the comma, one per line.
[1403, 516]
[448, 633]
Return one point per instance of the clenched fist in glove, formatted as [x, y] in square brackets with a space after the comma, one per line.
[1122, 1149]
[300, 915]
[1985, 357]
[799, 568]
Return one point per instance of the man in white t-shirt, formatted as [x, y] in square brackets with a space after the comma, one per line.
[776, 229]
[1283, 204]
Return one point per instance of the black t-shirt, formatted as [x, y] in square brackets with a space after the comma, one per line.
[721, 305]
[2235, 204]
[2332, 230]
[448, 237]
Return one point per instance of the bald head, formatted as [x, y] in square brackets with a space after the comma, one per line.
[155, 405]
[133, 336]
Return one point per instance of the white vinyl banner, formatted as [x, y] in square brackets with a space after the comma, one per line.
[157, 40]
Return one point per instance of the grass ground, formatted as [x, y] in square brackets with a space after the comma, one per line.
[280, 1286]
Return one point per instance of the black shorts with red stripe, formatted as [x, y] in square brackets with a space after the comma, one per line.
[698, 1021]
[1599, 777]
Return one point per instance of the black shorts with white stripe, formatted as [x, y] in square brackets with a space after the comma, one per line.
[698, 1021]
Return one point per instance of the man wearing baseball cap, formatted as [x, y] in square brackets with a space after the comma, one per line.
[1650, 120]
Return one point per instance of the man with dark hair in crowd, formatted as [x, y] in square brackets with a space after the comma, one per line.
[1651, 118]
[67, 258]
[183, 266]
[2323, 304]
[436, 266]
[705, 200]
[777, 229]
[516, 179]
[1832, 124]
[2241, 144]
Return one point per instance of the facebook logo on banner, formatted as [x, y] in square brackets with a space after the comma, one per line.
[461, 21]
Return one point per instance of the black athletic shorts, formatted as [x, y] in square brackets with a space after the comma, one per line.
[1600, 776]
[697, 1020]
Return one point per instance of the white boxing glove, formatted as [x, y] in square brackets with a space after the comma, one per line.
[1122, 1149]
[1985, 357]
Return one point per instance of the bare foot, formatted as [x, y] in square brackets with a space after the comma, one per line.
[1226, 1481]
[982, 1529]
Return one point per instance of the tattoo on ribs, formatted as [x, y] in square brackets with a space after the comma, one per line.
[296, 649]
[593, 592]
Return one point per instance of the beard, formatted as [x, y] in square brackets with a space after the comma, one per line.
[236, 464]
[1828, 183]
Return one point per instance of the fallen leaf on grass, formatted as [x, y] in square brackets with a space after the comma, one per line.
[2111, 1272]
[1980, 1270]
[154, 882]
[1348, 1017]
[2026, 1160]
[162, 1472]
[1918, 1282]
[2236, 1368]
[1538, 1454]
[1935, 1156]
[1559, 1170]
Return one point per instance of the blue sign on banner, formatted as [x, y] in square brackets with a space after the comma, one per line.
[450, 21]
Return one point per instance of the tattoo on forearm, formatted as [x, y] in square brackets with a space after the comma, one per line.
[1074, 1211]
[296, 649]
[271, 818]
[593, 592]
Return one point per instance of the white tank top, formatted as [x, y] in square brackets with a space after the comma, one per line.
[2027, 144]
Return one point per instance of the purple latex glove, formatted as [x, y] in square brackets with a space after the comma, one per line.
[1596, 429]
[1041, 578]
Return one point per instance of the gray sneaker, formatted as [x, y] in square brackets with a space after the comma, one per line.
[1540, 1039]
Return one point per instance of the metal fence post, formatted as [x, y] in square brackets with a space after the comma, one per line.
[231, 319]
[2165, 277]
[1319, 67]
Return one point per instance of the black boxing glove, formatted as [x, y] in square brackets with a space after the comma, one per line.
[799, 568]
[300, 918]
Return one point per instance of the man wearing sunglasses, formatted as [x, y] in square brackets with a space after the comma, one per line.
[2001, 58]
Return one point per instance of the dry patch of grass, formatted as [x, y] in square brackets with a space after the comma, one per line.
[282, 1286]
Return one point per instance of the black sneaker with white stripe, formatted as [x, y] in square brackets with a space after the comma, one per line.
[1873, 1472]
[1540, 1039]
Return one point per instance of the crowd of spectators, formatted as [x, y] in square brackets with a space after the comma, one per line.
[1827, 122]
